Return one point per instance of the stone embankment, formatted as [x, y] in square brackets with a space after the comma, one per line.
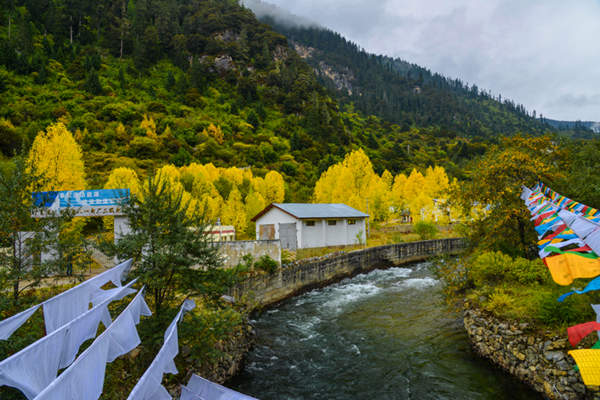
[539, 359]
[301, 276]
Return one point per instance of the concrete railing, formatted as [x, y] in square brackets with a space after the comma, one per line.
[301, 276]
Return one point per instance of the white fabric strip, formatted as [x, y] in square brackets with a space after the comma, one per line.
[84, 379]
[596, 308]
[204, 389]
[525, 193]
[587, 230]
[66, 306]
[35, 367]
[149, 386]
[9, 325]
[577, 241]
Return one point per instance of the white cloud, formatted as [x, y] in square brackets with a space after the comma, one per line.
[537, 52]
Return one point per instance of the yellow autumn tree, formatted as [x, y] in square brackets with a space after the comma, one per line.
[255, 203]
[425, 196]
[355, 183]
[149, 126]
[121, 178]
[215, 132]
[234, 212]
[57, 156]
[274, 187]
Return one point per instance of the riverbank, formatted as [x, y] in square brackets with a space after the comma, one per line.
[302, 276]
[371, 337]
[538, 358]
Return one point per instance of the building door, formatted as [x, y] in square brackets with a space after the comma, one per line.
[266, 232]
[287, 236]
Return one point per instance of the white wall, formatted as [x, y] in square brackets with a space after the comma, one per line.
[359, 227]
[275, 216]
[319, 235]
[312, 235]
[335, 235]
[341, 234]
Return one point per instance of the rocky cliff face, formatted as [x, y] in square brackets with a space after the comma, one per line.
[539, 359]
[341, 78]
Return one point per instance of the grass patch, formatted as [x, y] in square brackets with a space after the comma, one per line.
[515, 289]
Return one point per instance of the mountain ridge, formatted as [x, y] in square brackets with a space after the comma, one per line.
[400, 91]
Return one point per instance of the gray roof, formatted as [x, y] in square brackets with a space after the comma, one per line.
[307, 210]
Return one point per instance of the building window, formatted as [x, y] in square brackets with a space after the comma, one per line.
[309, 223]
[331, 222]
[351, 222]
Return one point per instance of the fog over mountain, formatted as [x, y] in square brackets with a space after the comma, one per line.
[536, 52]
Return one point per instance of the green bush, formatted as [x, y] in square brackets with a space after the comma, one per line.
[551, 312]
[267, 264]
[489, 268]
[529, 271]
[498, 302]
[494, 267]
[426, 230]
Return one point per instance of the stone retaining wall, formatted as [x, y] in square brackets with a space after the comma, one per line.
[539, 359]
[304, 275]
[233, 252]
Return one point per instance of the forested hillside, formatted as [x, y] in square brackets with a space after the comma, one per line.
[145, 82]
[405, 93]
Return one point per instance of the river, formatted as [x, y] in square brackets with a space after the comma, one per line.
[382, 335]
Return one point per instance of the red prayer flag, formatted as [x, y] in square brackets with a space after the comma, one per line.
[578, 332]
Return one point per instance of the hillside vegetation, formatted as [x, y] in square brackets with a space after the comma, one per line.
[144, 83]
[402, 92]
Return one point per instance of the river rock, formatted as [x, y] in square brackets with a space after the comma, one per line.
[539, 359]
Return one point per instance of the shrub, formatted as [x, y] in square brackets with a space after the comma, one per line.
[493, 267]
[426, 230]
[551, 312]
[499, 301]
[286, 257]
[267, 264]
[489, 267]
[529, 271]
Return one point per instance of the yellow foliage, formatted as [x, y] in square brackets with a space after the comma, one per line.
[234, 212]
[255, 203]
[57, 156]
[274, 187]
[124, 178]
[215, 132]
[121, 132]
[121, 178]
[353, 182]
[149, 125]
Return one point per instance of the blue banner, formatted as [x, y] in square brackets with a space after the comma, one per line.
[85, 202]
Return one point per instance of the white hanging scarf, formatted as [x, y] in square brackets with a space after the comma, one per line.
[587, 230]
[9, 325]
[525, 193]
[577, 241]
[149, 386]
[35, 367]
[200, 388]
[66, 306]
[84, 379]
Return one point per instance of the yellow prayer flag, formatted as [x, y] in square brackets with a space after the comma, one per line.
[588, 361]
[564, 268]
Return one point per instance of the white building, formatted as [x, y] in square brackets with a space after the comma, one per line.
[220, 233]
[302, 225]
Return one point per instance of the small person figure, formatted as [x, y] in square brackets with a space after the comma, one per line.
[70, 265]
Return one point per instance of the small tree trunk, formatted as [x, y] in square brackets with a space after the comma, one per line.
[9, 25]
[71, 31]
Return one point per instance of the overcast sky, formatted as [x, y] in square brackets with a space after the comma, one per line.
[541, 53]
